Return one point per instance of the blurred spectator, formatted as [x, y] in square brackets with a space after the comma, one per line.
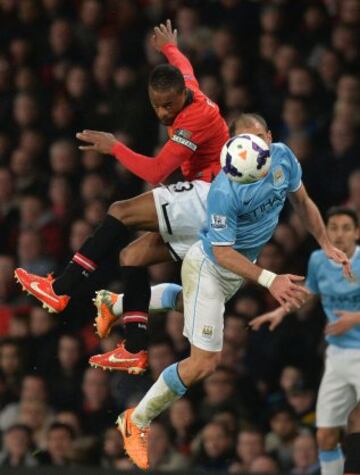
[354, 191]
[112, 449]
[183, 422]
[60, 438]
[264, 464]
[249, 446]
[11, 364]
[216, 451]
[65, 376]
[305, 456]
[30, 256]
[161, 355]
[162, 455]
[17, 448]
[98, 410]
[279, 442]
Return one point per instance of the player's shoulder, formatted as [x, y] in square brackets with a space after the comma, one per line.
[197, 113]
[222, 187]
[280, 150]
[317, 257]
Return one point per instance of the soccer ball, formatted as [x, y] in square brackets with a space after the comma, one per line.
[245, 158]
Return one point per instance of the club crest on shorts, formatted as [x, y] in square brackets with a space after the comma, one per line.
[207, 332]
[218, 221]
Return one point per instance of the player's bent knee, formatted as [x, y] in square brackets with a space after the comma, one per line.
[327, 438]
[204, 367]
[118, 210]
[354, 420]
[129, 257]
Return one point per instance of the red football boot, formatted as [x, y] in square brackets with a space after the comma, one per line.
[121, 360]
[42, 289]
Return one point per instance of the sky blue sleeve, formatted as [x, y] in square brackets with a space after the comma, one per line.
[222, 217]
[311, 278]
[295, 171]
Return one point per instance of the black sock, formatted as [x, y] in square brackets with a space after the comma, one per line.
[137, 294]
[110, 234]
[352, 453]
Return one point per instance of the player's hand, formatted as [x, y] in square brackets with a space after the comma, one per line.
[340, 257]
[344, 323]
[287, 291]
[163, 35]
[274, 319]
[102, 142]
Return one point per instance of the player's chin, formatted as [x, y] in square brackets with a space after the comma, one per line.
[167, 122]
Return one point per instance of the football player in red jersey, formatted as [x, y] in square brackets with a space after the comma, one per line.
[173, 215]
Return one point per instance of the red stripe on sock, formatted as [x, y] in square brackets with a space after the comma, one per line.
[84, 262]
[135, 317]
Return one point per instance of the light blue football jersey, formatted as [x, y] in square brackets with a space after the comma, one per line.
[325, 278]
[244, 216]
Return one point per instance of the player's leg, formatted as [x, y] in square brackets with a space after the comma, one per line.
[181, 213]
[138, 213]
[131, 356]
[352, 443]
[335, 398]
[204, 303]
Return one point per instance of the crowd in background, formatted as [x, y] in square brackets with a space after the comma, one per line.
[70, 65]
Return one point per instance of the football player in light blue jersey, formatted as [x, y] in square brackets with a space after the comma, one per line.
[241, 219]
[340, 298]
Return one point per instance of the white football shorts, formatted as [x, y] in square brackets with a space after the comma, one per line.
[206, 289]
[181, 211]
[340, 386]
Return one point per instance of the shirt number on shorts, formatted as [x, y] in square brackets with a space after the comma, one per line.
[180, 187]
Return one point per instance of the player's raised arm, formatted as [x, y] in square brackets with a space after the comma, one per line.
[314, 223]
[164, 40]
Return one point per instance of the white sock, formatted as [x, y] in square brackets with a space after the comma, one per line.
[163, 297]
[331, 461]
[166, 390]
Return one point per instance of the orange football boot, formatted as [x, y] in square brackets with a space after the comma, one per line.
[135, 439]
[42, 289]
[105, 318]
[121, 360]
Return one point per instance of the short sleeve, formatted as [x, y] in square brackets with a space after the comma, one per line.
[295, 171]
[222, 218]
[311, 278]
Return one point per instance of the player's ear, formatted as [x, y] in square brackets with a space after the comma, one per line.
[269, 136]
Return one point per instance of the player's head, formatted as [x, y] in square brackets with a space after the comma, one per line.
[167, 92]
[251, 124]
[343, 228]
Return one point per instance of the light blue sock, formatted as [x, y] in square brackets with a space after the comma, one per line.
[167, 389]
[163, 297]
[332, 461]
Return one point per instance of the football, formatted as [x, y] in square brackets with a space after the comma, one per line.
[245, 158]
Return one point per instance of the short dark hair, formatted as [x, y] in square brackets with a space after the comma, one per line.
[337, 210]
[247, 119]
[165, 77]
[61, 426]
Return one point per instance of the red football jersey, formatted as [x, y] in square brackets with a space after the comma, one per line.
[195, 138]
[199, 126]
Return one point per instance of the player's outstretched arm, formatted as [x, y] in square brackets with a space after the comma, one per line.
[164, 40]
[275, 317]
[150, 169]
[284, 288]
[314, 223]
